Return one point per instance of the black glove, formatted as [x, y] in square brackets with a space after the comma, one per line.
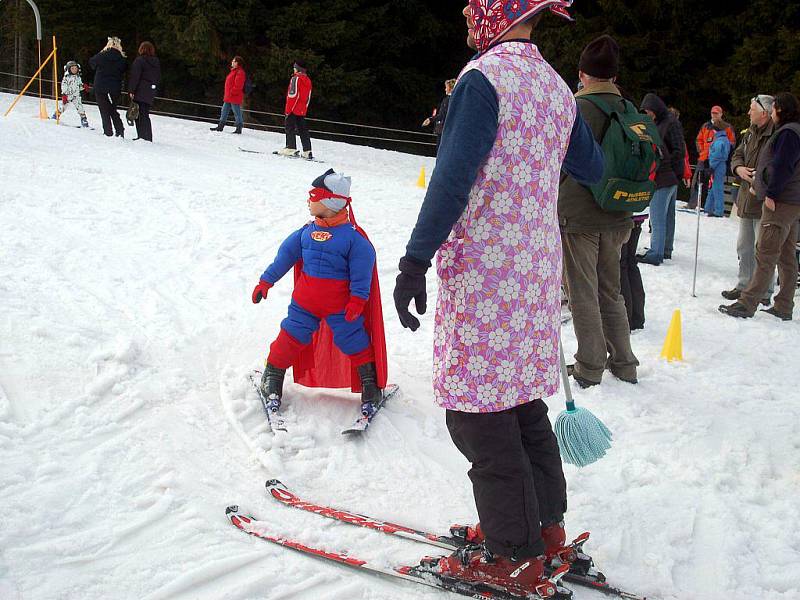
[410, 284]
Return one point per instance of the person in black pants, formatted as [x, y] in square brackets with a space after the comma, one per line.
[631, 286]
[110, 66]
[142, 83]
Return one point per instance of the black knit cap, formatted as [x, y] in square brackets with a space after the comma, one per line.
[600, 58]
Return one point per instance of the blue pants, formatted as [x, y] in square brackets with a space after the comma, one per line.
[237, 113]
[662, 222]
[715, 203]
[349, 336]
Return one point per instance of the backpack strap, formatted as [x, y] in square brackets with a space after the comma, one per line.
[604, 108]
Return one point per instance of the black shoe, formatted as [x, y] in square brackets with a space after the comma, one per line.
[370, 392]
[272, 386]
[120, 134]
[583, 383]
[667, 255]
[631, 380]
[217, 128]
[644, 259]
[776, 313]
[737, 309]
[238, 129]
[731, 294]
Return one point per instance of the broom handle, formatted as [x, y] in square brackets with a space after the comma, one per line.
[565, 379]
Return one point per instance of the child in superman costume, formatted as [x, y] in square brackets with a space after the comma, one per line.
[333, 333]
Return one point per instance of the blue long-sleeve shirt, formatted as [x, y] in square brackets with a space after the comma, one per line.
[469, 135]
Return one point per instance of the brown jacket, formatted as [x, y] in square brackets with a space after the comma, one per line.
[748, 206]
[578, 212]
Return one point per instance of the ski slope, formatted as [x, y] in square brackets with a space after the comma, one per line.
[127, 423]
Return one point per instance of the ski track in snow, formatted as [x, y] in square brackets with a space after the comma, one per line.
[128, 423]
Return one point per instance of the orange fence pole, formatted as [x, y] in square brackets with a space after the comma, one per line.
[32, 79]
[55, 80]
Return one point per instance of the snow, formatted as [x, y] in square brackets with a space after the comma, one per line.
[128, 424]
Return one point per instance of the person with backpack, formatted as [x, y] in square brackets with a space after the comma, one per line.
[234, 95]
[142, 83]
[669, 173]
[596, 221]
[298, 96]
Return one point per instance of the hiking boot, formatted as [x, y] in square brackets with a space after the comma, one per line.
[731, 294]
[217, 128]
[307, 155]
[737, 309]
[524, 577]
[272, 386]
[371, 395]
[581, 381]
[776, 313]
[647, 260]
[238, 129]
[288, 152]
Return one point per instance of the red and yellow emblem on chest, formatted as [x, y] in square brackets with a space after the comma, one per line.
[321, 236]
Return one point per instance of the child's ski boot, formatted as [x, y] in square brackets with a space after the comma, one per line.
[272, 386]
[84, 122]
[371, 394]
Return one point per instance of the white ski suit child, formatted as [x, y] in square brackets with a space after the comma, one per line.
[71, 88]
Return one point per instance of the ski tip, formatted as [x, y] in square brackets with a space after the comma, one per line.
[232, 509]
[273, 484]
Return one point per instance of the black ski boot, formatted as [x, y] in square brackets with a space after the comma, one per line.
[238, 129]
[272, 386]
[371, 395]
[218, 128]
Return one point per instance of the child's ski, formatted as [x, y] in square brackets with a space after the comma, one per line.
[362, 423]
[418, 574]
[590, 578]
[274, 419]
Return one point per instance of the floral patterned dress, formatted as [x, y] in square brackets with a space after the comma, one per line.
[498, 314]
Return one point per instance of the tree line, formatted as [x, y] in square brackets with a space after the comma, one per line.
[383, 62]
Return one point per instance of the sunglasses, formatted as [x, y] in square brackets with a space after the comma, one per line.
[758, 101]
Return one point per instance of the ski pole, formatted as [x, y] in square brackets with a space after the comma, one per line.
[697, 234]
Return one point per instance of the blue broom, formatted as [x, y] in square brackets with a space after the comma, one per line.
[582, 437]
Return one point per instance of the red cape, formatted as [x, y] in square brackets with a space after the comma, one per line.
[322, 364]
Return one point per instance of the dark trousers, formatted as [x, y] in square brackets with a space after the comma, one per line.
[144, 128]
[702, 172]
[107, 103]
[517, 478]
[297, 125]
[631, 285]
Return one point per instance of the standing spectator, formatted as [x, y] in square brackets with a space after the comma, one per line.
[777, 181]
[439, 115]
[703, 142]
[687, 168]
[592, 238]
[490, 211]
[298, 96]
[631, 285]
[718, 165]
[670, 172]
[748, 206]
[109, 65]
[142, 83]
[234, 95]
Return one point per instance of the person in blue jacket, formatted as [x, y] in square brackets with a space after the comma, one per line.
[718, 161]
[335, 281]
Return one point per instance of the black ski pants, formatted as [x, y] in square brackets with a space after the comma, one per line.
[517, 478]
[631, 285]
[294, 125]
[107, 103]
[144, 128]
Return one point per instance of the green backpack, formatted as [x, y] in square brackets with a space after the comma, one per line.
[631, 146]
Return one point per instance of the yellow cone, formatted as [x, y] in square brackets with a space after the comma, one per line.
[421, 180]
[42, 110]
[673, 344]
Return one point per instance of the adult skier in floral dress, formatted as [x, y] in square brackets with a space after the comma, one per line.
[490, 212]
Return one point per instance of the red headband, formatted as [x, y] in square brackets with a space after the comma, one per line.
[318, 194]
